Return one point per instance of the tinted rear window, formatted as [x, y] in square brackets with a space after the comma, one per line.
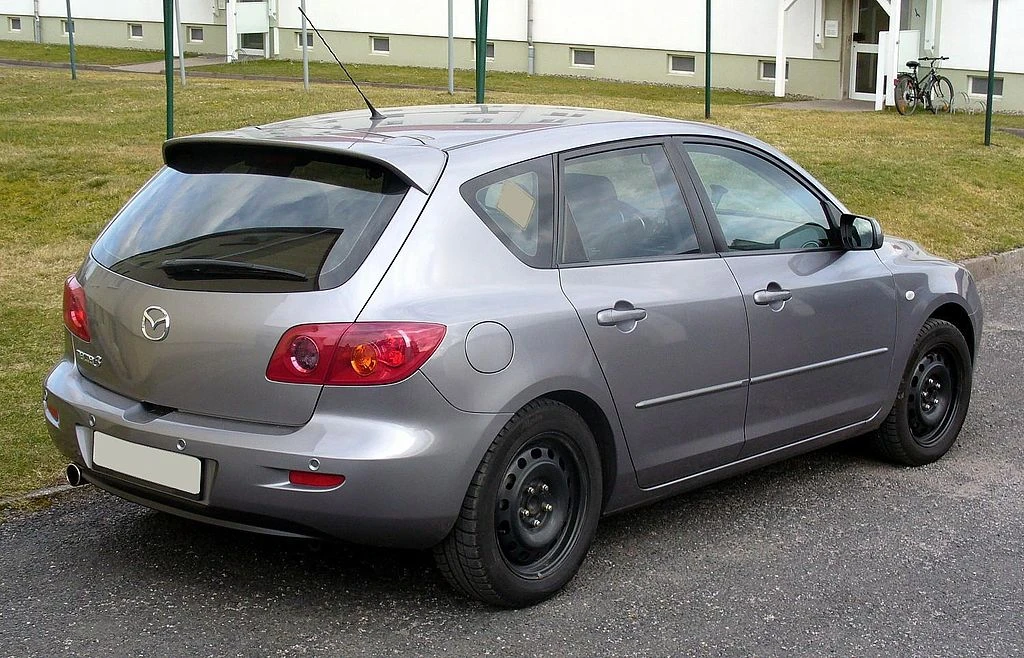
[251, 219]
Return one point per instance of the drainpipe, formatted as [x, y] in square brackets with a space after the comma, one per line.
[37, 25]
[232, 31]
[530, 54]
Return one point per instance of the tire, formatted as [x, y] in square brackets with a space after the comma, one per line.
[940, 96]
[933, 397]
[531, 510]
[905, 95]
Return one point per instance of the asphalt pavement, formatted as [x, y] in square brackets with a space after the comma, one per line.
[828, 554]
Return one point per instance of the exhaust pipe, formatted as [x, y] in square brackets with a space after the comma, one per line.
[74, 475]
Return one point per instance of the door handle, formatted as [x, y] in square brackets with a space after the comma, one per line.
[771, 296]
[610, 317]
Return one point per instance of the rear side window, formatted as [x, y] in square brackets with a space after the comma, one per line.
[517, 204]
[251, 219]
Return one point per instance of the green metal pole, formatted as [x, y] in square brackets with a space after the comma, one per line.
[169, 63]
[481, 49]
[991, 74]
[71, 42]
[707, 66]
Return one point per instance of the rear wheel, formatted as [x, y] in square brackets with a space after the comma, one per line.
[531, 511]
[940, 96]
[905, 95]
[932, 400]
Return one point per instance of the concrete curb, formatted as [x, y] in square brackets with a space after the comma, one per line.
[38, 494]
[984, 267]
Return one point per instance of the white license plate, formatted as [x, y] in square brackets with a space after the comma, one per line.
[168, 469]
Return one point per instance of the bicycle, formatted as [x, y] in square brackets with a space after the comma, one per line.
[934, 91]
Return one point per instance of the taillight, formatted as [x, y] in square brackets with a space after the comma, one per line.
[75, 317]
[353, 354]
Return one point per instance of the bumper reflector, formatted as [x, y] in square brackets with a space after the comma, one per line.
[307, 479]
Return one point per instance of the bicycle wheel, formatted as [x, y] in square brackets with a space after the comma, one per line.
[940, 96]
[905, 94]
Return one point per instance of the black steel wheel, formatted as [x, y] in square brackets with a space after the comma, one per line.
[531, 511]
[933, 398]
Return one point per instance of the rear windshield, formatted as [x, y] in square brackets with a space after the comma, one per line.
[251, 219]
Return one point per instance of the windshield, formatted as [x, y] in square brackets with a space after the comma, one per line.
[252, 219]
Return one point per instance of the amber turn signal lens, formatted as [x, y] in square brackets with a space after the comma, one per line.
[364, 359]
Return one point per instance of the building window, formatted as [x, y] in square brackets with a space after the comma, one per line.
[195, 35]
[682, 64]
[767, 69]
[309, 40]
[14, 23]
[380, 45]
[979, 85]
[134, 30]
[583, 57]
[64, 27]
[490, 50]
[252, 41]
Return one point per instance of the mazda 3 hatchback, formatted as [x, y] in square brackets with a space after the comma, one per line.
[480, 328]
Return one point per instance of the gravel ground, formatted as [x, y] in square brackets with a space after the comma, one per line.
[829, 554]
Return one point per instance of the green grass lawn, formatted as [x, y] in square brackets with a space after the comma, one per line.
[72, 152]
[497, 81]
[45, 52]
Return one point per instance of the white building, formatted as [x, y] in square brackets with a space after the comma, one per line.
[830, 47]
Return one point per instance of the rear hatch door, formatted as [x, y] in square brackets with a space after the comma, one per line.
[190, 288]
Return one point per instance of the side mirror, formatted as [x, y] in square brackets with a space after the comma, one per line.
[858, 232]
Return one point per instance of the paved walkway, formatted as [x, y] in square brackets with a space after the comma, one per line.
[158, 67]
[845, 105]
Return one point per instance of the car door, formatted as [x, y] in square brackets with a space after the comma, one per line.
[661, 309]
[822, 320]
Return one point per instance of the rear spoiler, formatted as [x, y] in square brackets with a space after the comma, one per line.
[418, 166]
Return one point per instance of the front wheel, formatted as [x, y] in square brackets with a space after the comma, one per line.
[940, 96]
[932, 400]
[905, 95]
[531, 511]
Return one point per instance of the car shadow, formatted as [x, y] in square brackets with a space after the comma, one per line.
[153, 549]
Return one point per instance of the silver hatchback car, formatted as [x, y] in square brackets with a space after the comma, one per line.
[480, 328]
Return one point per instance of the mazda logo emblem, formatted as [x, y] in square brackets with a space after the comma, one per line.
[156, 323]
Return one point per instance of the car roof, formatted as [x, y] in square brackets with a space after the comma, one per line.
[416, 140]
[442, 127]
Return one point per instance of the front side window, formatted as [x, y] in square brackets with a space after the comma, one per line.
[624, 204]
[757, 204]
[516, 203]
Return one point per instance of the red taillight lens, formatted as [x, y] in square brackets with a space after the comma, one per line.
[383, 352]
[308, 479]
[353, 354]
[75, 317]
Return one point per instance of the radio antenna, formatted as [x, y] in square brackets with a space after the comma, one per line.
[374, 114]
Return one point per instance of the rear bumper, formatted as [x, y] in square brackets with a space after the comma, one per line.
[407, 455]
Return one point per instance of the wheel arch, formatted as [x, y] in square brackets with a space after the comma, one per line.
[600, 426]
[957, 315]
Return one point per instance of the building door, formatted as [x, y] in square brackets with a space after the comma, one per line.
[868, 20]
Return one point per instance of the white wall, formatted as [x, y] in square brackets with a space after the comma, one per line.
[738, 26]
[506, 18]
[192, 11]
[965, 29]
